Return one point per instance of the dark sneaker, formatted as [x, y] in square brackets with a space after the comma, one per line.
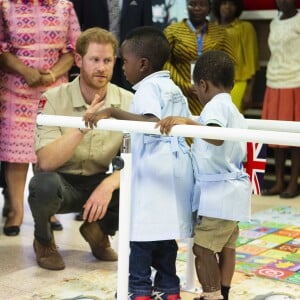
[48, 257]
[157, 295]
[98, 241]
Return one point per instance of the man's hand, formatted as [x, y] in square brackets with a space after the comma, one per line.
[96, 104]
[92, 111]
[96, 206]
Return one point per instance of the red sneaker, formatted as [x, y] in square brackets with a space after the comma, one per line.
[173, 297]
[157, 295]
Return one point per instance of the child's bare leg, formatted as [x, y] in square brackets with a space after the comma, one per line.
[227, 266]
[208, 272]
[280, 158]
[292, 188]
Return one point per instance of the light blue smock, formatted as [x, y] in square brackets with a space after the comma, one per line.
[162, 175]
[222, 188]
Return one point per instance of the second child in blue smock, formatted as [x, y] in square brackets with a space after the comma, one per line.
[222, 190]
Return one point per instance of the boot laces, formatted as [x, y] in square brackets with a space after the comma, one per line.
[48, 250]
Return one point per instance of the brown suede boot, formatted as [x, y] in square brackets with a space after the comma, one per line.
[48, 257]
[98, 241]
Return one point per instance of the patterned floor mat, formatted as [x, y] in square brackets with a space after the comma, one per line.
[271, 231]
[269, 246]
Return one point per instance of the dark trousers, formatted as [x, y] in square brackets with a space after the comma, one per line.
[53, 193]
[161, 255]
[2, 177]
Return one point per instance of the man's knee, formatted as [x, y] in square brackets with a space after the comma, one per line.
[43, 187]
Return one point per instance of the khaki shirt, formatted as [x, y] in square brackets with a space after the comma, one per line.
[98, 147]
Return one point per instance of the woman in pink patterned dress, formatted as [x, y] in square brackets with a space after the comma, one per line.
[37, 42]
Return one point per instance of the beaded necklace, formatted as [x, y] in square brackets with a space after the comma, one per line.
[40, 2]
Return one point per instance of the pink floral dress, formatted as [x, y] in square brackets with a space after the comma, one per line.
[37, 32]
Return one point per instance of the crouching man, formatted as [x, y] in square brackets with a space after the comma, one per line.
[72, 163]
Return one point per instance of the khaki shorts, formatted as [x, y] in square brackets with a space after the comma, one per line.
[215, 234]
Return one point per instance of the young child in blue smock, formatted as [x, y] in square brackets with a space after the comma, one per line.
[162, 180]
[223, 189]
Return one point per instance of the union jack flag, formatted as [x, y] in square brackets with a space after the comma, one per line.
[255, 165]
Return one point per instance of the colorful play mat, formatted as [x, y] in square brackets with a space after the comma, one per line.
[269, 246]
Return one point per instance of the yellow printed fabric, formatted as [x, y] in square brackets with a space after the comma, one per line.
[238, 92]
[183, 42]
[244, 40]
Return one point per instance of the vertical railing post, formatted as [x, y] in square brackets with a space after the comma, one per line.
[190, 274]
[124, 219]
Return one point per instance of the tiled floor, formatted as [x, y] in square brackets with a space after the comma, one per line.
[21, 278]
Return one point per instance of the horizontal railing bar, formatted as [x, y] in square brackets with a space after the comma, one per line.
[208, 132]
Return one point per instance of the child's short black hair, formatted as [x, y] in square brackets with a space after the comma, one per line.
[215, 66]
[151, 43]
[217, 3]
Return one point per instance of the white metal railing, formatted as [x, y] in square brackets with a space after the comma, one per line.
[278, 132]
[274, 136]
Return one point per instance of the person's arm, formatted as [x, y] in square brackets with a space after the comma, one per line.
[34, 77]
[56, 153]
[225, 43]
[66, 60]
[91, 119]
[251, 61]
[8, 61]
[11, 64]
[95, 207]
[167, 123]
[185, 85]
[248, 96]
[63, 65]
[59, 151]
